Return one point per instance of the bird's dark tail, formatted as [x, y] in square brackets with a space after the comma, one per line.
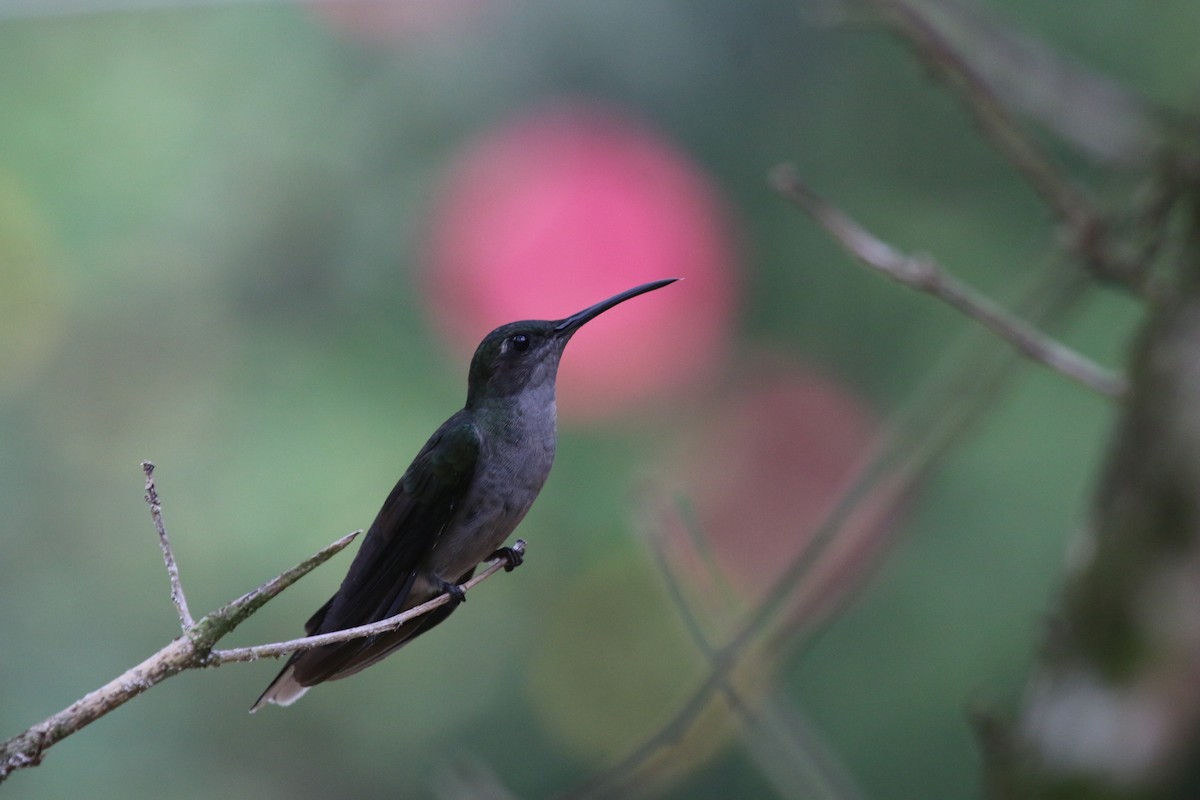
[283, 691]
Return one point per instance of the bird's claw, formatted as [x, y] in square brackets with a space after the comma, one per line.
[512, 556]
[458, 595]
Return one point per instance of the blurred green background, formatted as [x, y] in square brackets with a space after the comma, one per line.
[211, 224]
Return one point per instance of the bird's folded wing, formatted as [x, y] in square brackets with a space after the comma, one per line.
[405, 530]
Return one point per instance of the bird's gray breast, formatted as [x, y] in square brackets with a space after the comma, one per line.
[516, 453]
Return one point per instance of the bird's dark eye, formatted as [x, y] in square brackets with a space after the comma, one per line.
[520, 343]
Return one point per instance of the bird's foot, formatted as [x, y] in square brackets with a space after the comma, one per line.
[458, 595]
[513, 556]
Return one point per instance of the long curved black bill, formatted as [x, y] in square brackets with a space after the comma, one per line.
[565, 327]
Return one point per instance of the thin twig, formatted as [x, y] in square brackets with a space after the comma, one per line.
[276, 649]
[236, 611]
[177, 596]
[924, 274]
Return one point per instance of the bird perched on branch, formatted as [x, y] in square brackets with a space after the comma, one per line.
[456, 504]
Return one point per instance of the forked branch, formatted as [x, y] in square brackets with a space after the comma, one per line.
[194, 648]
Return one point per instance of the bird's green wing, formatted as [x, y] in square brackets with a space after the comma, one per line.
[408, 525]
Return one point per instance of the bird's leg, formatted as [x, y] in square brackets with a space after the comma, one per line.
[458, 594]
[513, 557]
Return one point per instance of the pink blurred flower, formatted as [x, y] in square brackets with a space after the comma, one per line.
[565, 206]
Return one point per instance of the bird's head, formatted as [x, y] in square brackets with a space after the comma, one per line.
[524, 356]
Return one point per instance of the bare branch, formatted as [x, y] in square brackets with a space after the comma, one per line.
[994, 119]
[276, 649]
[1087, 228]
[194, 649]
[189, 651]
[26, 749]
[1095, 113]
[177, 596]
[924, 274]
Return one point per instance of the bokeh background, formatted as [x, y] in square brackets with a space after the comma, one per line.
[256, 244]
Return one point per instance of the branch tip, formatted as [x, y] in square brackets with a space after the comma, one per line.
[178, 598]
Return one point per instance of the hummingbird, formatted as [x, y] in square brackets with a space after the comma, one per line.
[463, 495]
